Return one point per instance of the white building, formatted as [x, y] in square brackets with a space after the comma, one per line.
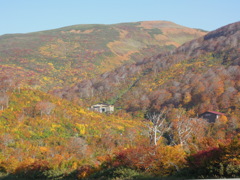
[102, 108]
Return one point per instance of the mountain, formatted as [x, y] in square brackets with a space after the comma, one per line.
[61, 57]
[43, 136]
[202, 74]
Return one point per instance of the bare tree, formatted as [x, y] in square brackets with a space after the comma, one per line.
[78, 146]
[45, 107]
[4, 100]
[183, 131]
[6, 83]
[184, 128]
[157, 126]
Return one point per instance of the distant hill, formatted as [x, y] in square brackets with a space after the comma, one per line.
[61, 57]
[200, 75]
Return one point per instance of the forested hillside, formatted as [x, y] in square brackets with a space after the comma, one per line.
[61, 57]
[45, 137]
[201, 75]
[154, 132]
[45, 133]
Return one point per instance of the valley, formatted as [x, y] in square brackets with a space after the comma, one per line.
[160, 77]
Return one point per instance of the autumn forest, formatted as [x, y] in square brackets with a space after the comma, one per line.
[175, 92]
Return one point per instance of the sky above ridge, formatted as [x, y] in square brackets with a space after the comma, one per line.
[23, 16]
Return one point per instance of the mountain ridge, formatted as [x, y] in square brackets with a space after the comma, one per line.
[155, 23]
[138, 82]
[60, 57]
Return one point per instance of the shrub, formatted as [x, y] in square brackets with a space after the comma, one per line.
[117, 173]
[85, 171]
[160, 161]
[221, 162]
[35, 170]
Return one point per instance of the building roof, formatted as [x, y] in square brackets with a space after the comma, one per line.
[215, 112]
[104, 104]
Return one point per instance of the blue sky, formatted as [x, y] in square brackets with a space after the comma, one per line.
[23, 16]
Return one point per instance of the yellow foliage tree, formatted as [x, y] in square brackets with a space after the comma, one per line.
[187, 98]
[81, 128]
[222, 119]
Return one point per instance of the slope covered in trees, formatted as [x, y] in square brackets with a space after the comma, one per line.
[46, 137]
[200, 75]
[40, 130]
[61, 57]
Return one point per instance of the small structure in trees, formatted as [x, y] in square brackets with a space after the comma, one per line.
[211, 116]
[102, 108]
